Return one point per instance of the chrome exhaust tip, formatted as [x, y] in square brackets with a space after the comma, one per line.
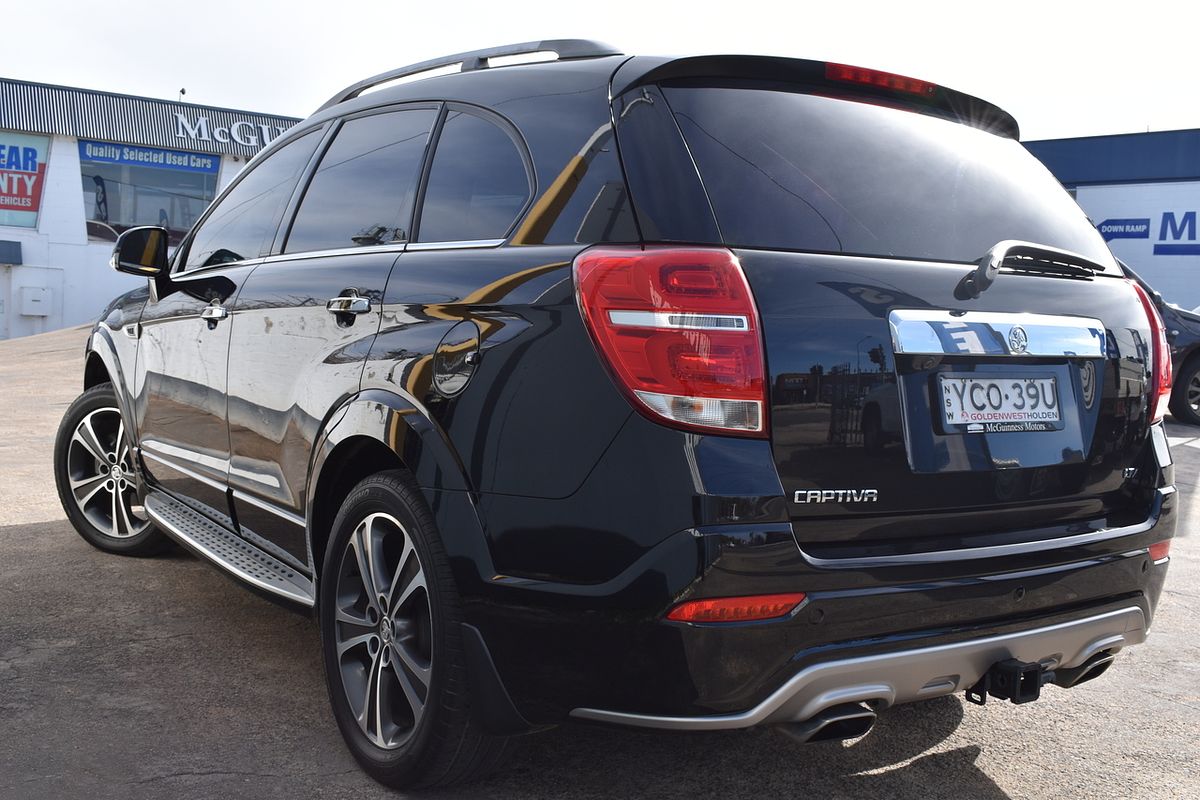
[1094, 667]
[846, 721]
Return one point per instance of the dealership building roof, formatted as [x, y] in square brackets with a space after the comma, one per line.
[1122, 158]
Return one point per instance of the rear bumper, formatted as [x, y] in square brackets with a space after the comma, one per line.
[909, 674]
[570, 648]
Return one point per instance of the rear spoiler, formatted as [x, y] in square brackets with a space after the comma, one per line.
[820, 77]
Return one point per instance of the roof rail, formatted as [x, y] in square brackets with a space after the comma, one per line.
[478, 59]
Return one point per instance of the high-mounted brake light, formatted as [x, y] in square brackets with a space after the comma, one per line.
[1160, 376]
[737, 609]
[878, 78]
[678, 328]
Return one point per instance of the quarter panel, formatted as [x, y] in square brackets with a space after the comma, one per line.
[539, 409]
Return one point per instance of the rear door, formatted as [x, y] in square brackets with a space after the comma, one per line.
[907, 415]
[180, 378]
[305, 319]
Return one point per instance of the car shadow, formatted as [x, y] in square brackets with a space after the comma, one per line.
[580, 760]
[595, 761]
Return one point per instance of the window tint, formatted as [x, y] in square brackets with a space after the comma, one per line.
[805, 172]
[477, 184]
[243, 223]
[362, 192]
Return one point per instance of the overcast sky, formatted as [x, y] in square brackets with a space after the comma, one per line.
[1061, 67]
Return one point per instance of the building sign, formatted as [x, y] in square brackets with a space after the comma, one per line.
[106, 153]
[247, 134]
[22, 176]
[1154, 228]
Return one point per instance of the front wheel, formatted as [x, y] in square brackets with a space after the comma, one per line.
[390, 635]
[93, 470]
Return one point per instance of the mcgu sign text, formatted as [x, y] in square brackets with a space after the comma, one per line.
[244, 133]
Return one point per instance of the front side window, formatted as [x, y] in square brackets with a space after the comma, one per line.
[243, 223]
[478, 184]
[362, 192]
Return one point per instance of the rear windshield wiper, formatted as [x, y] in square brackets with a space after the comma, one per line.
[1016, 256]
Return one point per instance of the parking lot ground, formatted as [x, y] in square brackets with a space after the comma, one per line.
[151, 678]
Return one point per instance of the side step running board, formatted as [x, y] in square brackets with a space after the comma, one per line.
[228, 551]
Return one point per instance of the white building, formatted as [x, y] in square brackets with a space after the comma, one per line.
[77, 167]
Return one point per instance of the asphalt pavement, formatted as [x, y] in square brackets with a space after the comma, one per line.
[151, 678]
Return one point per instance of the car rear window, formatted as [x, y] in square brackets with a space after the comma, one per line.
[795, 171]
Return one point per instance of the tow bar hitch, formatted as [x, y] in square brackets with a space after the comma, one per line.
[1019, 681]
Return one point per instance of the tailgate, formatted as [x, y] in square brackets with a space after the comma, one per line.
[900, 423]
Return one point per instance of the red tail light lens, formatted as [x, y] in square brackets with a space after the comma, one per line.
[1160, 381]
[874, 77]
[678, 328]
[737, 609]
[1160, 550]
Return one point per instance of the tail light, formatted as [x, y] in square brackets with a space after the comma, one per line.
[678, 329]
[1160, 380]
[737, 609]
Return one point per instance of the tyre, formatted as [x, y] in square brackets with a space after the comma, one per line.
[1185, 398]
[93, 469]
[390, 634]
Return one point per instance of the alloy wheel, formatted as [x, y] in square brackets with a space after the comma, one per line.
[1193, 393]
[100, 470]
[383, 631]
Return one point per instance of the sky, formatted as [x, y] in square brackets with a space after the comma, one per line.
[1063, 68]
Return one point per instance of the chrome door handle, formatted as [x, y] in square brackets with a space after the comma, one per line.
[350, 303]
[214, 313]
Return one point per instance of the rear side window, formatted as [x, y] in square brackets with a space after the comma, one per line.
[243, 223]
[804, 172]
[362, 192]
[478, 184]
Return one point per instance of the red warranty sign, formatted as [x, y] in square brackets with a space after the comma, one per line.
[22, 176]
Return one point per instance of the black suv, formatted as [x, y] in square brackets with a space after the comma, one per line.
[687, 393]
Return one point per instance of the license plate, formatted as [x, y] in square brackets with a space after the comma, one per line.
[1000, 404]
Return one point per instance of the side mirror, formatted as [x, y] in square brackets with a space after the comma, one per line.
[141, 251]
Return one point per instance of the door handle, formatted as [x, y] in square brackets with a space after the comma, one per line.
[214, 313]
[350, 303]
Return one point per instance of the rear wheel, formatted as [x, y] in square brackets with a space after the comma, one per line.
[390, 632]
[93, 470]
[1185, 399]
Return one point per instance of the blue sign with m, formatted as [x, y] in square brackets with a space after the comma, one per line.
[1177, 228]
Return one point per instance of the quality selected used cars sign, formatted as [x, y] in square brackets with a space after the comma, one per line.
[22, 176]
[107, 153]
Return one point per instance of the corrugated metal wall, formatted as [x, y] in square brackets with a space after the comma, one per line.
[87, 114]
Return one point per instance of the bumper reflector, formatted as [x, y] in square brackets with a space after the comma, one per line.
[1160, 550]
[737, 609]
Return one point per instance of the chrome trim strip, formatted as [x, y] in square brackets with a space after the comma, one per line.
[197, 547]
[471, 244]
[999, 550]
[680, 319]
[295, 519]
[986, 333]
[214, 269]
[908, 675]
[392, 247]
[190, 473]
